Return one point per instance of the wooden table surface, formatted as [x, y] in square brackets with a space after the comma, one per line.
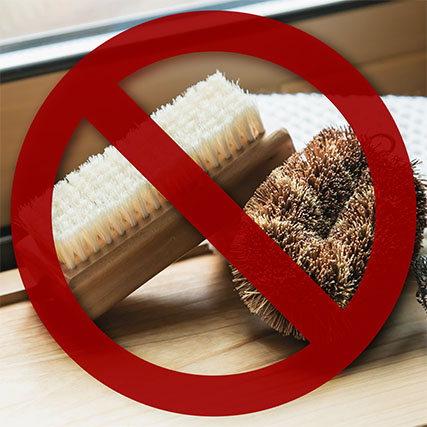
[189, 318]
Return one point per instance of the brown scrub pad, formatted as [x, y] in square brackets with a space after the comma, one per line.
[319, 207]
[420, 269]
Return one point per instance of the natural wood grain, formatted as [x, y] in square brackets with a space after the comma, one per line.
[11, 288]
[189, 318]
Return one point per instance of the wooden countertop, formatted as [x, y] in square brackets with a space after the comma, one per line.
[188, 318]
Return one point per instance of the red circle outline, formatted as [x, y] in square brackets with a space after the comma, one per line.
[202, 32]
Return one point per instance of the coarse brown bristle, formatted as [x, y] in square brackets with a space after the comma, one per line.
[319, 207]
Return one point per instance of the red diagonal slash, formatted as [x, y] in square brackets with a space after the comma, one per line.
[336, 336]
[215, 214]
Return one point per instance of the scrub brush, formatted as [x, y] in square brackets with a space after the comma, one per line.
[319, 207]
[113, 231]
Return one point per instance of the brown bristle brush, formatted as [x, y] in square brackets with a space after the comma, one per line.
[319, 207]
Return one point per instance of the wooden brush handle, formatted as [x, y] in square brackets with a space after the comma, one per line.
[148, 248]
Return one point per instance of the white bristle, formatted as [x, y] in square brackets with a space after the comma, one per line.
[107, 195]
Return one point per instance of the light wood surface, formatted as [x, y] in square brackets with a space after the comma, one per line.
[189, 318]
[11, 288]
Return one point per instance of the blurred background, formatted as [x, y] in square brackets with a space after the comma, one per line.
[40, 40]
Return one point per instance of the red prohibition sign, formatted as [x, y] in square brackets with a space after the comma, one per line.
[90, 90]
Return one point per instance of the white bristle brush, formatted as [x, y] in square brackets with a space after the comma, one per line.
[113, 230]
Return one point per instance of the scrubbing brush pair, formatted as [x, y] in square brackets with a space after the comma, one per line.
[113, 231]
